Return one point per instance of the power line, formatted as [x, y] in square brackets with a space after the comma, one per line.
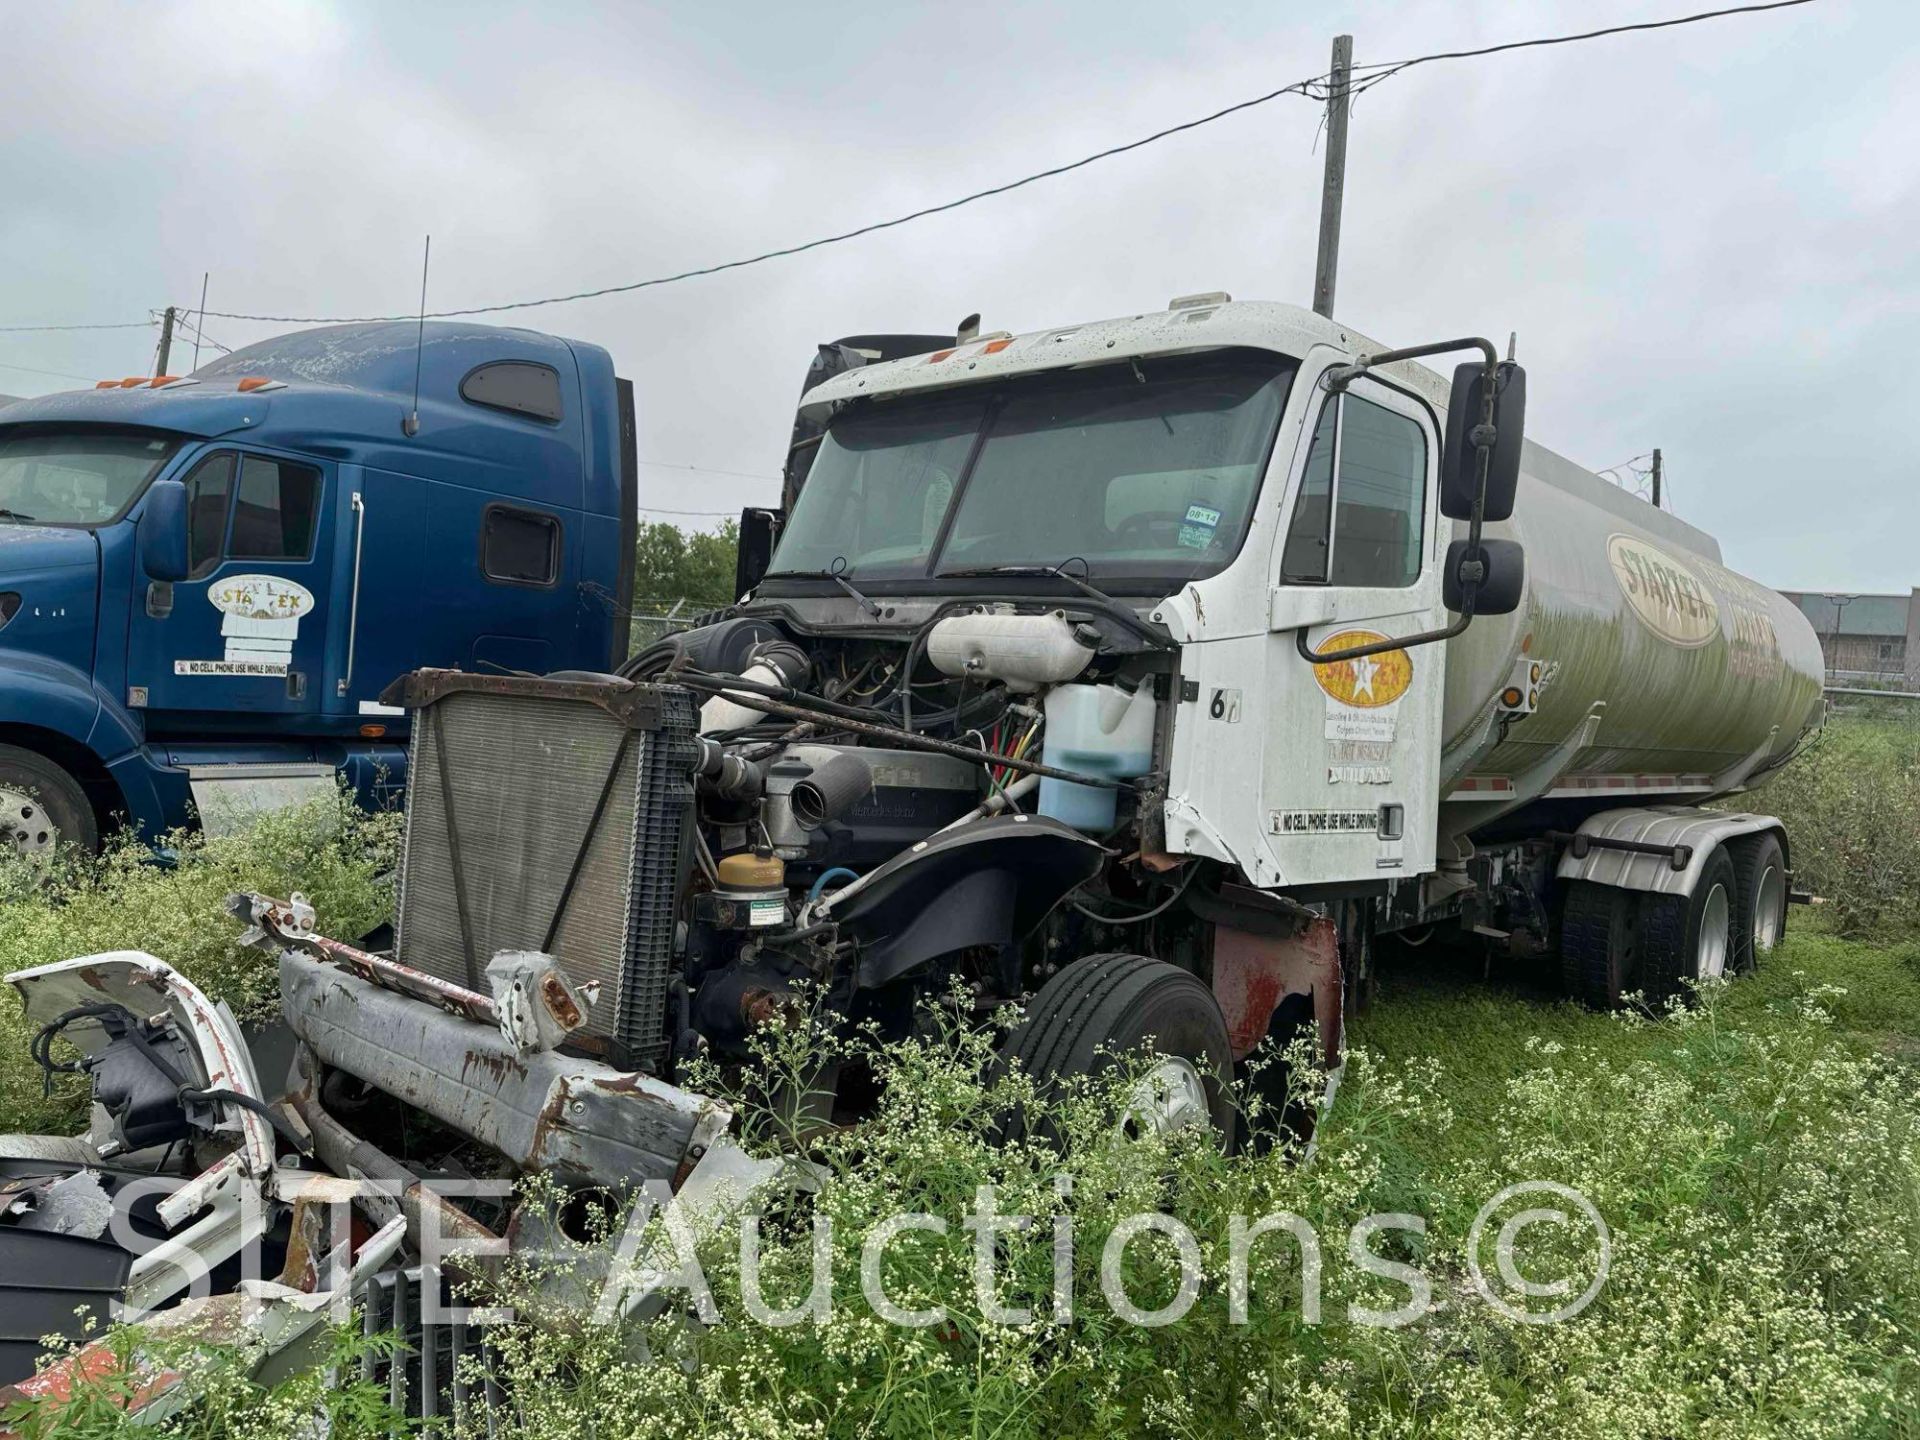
[1299, 87]
[57, 374]
[180, 318]
[1313, 87]
[42, 329]
[708, 470]
[1391, 68]
[658, 510]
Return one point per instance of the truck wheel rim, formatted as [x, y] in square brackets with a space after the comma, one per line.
[1769, 906]
[25, 826]
[1715, 916]
[1171, 1096]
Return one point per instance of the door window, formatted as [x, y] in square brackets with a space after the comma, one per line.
[209, 488]
[1360, 517]
[273, 515]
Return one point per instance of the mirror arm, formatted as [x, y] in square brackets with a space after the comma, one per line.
[1341, 376]
[1336, 381]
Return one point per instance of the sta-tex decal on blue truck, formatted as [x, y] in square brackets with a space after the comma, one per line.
[206, 581]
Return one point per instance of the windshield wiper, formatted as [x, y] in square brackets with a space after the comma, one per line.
[839, 577]
[1057, 571]
[1154, 635]
[15, 515]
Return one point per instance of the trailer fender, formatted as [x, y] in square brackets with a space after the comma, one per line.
[1670, 826]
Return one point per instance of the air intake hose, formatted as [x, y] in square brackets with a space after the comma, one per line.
[773, 662]
[728, 775]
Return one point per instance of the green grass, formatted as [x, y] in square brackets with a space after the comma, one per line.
[126, 901]
[1851, 804]
[1756, 1157]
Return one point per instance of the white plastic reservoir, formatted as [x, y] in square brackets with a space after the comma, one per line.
[1094, 730]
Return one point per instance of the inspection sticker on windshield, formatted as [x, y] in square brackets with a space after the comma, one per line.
[1196, 530]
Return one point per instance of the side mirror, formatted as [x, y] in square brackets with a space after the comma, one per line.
[163, 532]
[1460, 459]
[1504, 563]
[759, 529]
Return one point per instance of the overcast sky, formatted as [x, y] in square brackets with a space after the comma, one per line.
[1707, 238]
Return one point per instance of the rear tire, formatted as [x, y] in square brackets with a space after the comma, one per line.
[1759, 899]
[1689, 938]
[1104, 1008]
[1600, 956]
[42, 806]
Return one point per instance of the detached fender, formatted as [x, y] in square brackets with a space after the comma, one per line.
[1664, 825]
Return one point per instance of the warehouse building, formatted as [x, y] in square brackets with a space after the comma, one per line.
[1866, 639]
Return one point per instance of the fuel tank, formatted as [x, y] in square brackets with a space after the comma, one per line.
[1699, 668]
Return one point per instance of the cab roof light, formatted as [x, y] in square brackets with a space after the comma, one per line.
[1195, 302]
[259, 382]
[937, 356]
[132, 381]
[994, 347]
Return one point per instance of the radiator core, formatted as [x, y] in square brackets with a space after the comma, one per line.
[505, 778]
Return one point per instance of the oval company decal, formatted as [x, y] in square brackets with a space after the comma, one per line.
[260, 597]
[1667, 593]
[1366, 683]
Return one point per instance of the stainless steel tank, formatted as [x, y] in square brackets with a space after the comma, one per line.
[1699, 667]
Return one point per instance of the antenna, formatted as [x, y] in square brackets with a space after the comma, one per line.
[411, 425]
[205, 276]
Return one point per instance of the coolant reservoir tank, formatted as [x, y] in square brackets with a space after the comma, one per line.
[1095, 730]
[1024, 651]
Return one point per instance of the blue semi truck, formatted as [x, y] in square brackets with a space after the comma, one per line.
[207, 581]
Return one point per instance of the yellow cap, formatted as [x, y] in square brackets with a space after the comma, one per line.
[747, 871]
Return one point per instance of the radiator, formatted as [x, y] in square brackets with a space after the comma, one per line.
[557, 815]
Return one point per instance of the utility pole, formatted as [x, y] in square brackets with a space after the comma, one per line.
[1656, 478]
[166, 342]
[1333, 187]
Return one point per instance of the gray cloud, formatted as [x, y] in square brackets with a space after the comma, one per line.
[1703, 236]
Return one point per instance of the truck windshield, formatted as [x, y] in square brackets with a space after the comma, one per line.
[1145, 470]
[76, 477]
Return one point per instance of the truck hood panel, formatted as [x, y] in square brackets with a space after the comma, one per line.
[54, 572]
[39, 549]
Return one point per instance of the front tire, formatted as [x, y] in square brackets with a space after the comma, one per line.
[1101, 1009]
[42, 807]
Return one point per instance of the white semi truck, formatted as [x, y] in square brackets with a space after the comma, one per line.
[1143, 673]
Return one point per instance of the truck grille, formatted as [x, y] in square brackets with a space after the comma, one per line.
[506, 778]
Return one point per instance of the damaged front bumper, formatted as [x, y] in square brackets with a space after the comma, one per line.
[263, 1171]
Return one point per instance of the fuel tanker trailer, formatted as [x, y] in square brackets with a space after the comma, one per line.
[1134, 677]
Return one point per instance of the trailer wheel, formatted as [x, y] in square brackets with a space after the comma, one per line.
[1759, 899]
[1600, 954]
[42, 806]
[1105, 1007]
[1690, 937]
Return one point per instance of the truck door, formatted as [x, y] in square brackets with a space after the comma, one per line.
[1350, 765]
[246, 632]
